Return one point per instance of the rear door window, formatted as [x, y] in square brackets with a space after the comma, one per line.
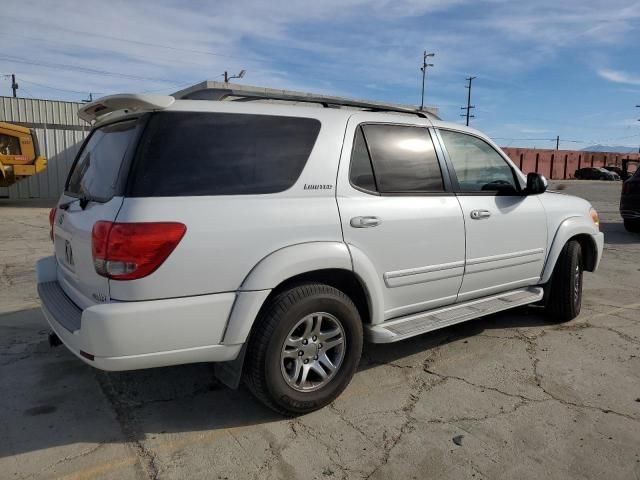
[96, 171]
[404, 159]
[194, 153]
[361, 172]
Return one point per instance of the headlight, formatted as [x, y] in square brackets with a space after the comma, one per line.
[595, 218]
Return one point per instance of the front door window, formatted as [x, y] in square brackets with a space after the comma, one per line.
[477, 165]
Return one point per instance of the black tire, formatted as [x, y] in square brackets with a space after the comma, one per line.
[565, 296]
[632, 225]
[262, 373]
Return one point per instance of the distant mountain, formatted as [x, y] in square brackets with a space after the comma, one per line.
[608, 148]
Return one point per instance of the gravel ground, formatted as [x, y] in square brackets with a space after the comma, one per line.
[507, 396]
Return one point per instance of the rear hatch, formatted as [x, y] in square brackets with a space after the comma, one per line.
[93, 192]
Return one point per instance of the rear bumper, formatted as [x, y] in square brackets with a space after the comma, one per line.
[134, 335]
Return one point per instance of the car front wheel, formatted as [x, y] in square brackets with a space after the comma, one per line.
[565, 296]
[304, 349]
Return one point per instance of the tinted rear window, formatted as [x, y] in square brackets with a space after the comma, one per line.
[361, 172]
[95, 172]
[404, 159]
[185, 153]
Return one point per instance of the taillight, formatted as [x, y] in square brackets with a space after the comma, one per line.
[127, 251]
[52, 218]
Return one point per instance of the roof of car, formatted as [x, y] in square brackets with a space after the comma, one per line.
[221, 93]
[108, 108]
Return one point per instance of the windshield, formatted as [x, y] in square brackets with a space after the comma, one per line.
[96, 171]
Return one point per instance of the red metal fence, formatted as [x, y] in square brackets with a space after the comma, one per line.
[562, 164]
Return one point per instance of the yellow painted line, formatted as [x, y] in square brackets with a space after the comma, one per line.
[175, 444]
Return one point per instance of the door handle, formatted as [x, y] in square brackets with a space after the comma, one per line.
[480, 214]
[365, 222]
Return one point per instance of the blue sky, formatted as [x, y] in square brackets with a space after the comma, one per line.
[544, 68]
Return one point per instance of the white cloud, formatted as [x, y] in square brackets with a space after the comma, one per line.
[618, 76]
[360, 48]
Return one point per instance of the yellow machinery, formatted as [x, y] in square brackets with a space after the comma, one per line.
[19, 154]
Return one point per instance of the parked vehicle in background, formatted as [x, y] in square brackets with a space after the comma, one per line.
[593, 173]
[274, 238]
[609, 175]
[19, 154]
[617, 170]
[630, 203]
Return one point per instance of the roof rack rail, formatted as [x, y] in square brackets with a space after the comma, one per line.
[239, 93]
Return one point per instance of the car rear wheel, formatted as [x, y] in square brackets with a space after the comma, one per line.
[632, 225]
[305, 349]
[565, 296]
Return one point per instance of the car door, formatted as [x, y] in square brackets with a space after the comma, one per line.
[506, 231]
[399, 215]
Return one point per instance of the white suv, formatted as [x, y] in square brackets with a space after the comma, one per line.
[273, 238]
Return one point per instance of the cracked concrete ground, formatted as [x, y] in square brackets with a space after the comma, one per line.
[523, 397]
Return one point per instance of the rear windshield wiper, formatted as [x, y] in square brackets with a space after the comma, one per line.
[83, 199]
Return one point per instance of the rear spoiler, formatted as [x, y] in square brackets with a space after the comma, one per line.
[126, 103]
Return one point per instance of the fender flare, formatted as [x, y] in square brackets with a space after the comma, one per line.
[569, 228]
[372, 281]
[294, 260]
[274, 269]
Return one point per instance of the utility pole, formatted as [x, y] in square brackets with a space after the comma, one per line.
[558, 142]
[424, 67]
[14, 85]
[469, 106]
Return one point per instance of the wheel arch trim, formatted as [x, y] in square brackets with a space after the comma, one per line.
[572, 227]
[293, 260]
[271, 271]
[289, 262]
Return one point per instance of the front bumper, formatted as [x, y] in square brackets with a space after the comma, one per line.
[134, 335]
[598, 238]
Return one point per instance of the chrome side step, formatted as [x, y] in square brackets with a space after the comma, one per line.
[416, 324]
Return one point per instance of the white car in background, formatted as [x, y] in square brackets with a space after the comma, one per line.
[274, 238]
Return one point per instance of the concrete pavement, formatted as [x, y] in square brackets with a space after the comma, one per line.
[506, 396]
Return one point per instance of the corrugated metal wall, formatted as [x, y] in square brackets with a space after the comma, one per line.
[562, 164]
[60, 133]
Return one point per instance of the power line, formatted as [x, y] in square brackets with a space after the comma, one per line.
[56, 88]
[29, 94]
[93, 71]
[469, 106]
[119, 39]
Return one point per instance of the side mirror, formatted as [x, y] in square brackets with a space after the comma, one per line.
[536, 184]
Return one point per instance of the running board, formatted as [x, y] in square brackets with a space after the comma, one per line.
[416, 324]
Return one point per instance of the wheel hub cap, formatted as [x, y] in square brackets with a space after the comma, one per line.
[313, 352]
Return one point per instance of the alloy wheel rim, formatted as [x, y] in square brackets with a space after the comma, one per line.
[313, 352]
